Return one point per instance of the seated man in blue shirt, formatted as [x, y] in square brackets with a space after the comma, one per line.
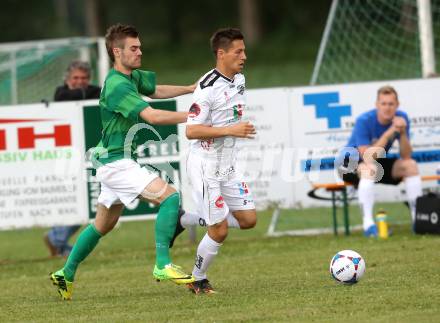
[373, 135]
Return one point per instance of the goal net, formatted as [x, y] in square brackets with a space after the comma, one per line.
[30, 71]
[368, 40]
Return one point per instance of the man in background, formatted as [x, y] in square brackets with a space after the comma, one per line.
[214, 125]
[373, 134]
[77, 84]
[76, 87]
[123, 113]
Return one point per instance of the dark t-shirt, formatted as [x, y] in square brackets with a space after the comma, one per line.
[63, 93]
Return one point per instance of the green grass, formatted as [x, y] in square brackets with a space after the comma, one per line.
[260, 279]
[397, 213]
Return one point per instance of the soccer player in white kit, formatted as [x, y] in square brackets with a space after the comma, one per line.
[213, 126]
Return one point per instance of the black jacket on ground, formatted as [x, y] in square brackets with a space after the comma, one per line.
[63, 93]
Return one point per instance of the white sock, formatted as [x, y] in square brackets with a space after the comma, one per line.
[206, 252]
[413, 186]
[366, 201]
[189, 219]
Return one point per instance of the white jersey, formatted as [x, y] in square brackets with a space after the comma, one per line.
[217, 187]
[218, 102]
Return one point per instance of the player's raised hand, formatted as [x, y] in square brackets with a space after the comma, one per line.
[242, 130]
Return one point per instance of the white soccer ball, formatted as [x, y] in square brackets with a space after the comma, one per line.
[347, 267]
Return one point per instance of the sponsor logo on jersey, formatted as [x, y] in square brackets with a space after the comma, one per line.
[241, 89]
[227, 98]
[220, 202]
[194, 110]
[206, 144]
[226, 172]
[243, 188]
[238, 111]
[245, 202]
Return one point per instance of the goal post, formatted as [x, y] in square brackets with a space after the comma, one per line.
[426, 37]
[367, 40]
[31, 70]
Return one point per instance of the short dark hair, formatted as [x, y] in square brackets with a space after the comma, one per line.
[223, 38]
[115, 36]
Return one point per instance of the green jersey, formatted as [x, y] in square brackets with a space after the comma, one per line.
[120, 105]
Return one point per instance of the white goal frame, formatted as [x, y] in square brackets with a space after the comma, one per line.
[42, 46]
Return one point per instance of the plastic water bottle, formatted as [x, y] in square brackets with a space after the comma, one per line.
[382, 224]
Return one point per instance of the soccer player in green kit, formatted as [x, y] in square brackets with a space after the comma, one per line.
[122, 179]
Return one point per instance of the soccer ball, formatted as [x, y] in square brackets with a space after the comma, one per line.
[347, 267]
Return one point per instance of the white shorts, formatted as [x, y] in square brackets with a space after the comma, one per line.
[122, 181]
[215, 197]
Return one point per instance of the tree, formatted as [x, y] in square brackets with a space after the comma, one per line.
[249, 21]
[92, 21]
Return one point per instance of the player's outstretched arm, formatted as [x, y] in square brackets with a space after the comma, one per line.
[163, 117]
[171, 91]
[239, 130]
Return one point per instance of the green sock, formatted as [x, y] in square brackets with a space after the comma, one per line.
[86, 242]
[165, 227]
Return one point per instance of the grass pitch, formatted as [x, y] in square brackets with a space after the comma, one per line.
[259, 279]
